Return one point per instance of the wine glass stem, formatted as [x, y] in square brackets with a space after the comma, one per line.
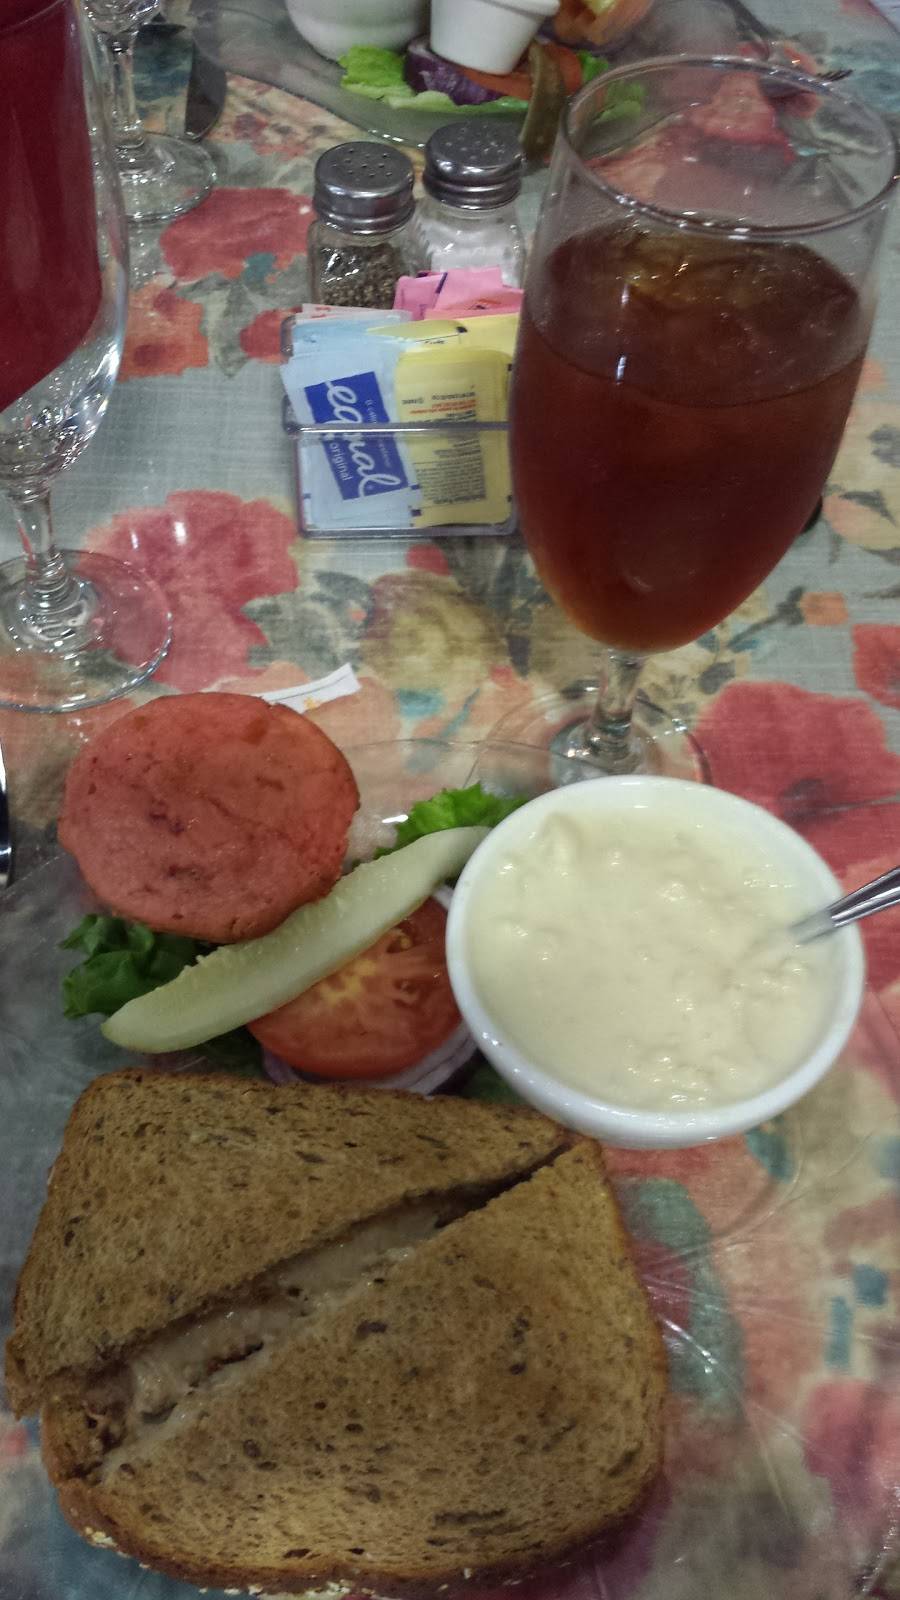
[54, 602]
[128, 128]
[609, 735]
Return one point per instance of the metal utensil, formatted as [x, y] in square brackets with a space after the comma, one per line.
[773, 50]
[207, 83]
[161, 28]
[207, 87]
[879, 895]
[6, 855]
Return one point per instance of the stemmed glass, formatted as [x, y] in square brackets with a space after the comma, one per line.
[76, 628]
[161, 177]
[698, 302]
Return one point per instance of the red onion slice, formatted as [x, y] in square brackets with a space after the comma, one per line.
[278, 1070]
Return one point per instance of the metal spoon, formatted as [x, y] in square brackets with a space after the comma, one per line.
[773, 49]
[5, 834]
[879, 895]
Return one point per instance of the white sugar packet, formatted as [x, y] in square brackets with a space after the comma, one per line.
[307, 696]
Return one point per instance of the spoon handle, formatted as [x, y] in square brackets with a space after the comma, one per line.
[878, 895]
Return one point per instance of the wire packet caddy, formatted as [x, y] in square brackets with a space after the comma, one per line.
[360, 474]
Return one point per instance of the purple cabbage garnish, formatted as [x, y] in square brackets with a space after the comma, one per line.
[424, 70]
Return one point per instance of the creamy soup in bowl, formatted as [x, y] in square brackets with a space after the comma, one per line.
[620, 949]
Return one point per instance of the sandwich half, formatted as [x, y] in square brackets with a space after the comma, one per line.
[281, 1337]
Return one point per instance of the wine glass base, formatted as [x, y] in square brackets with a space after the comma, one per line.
[167, 178]
[558, 721]
[113, 637]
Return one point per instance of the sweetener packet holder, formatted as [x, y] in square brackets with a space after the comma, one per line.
[314, 441]
[362, 473]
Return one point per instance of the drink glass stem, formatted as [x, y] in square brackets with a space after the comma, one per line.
[54, 606]
[128, 128]
[609, 736]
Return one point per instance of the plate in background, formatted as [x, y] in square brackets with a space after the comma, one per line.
[257, 39]
[771, 1261]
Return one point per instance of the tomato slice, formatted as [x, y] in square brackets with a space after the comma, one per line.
[578, 24]
[518, 83]
[377, 1016]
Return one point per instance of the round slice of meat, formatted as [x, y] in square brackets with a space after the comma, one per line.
[212, 815]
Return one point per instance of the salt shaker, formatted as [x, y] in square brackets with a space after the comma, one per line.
[468, 215]
[361, 241]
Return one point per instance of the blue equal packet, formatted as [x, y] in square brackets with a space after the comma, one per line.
[338, 374]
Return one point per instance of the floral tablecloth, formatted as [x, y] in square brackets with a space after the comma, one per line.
[797, 702]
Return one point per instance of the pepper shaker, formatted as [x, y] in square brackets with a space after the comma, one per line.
[468, 215]
[361, 241]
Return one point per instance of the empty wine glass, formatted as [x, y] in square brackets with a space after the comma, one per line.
[161, 177]
[697, 306]
[76, 628]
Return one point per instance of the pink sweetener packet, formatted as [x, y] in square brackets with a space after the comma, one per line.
[463, 292]
[417, 295]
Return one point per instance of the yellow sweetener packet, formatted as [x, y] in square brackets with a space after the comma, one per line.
[490, 333]
[419, 333]
[462, 477]
[477, 333]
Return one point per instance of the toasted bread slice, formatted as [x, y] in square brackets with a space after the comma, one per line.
[486, 1401]
[171, 1192]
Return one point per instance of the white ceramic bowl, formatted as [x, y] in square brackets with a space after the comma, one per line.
[332, 26]
[637, 1128]
[488, 35]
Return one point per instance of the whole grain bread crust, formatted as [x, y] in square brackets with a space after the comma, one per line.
[461, 1141]
[82, 1514]
[80, 1505]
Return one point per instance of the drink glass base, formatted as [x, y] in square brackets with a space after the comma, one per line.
[111, 638]
[165, 178]
[559, 721]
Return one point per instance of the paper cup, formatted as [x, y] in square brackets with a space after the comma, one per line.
[488, 35]
[332, 26]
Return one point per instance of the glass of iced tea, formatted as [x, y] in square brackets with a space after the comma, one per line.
[698, 303]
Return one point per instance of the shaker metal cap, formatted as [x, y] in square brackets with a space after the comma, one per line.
[363, 187]
[468, 164]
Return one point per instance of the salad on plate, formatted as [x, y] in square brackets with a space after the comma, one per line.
[349, 983]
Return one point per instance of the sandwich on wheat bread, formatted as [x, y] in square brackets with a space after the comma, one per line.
[284, 1336]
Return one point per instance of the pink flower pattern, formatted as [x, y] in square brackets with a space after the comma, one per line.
[212, 554]
[233, 225]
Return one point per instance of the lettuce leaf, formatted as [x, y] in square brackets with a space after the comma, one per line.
[374, 72]
[122, 960]
[474, 807]
[125, 959]
[374, 67]
[591, 66]
[623, 100]
[379, 75]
